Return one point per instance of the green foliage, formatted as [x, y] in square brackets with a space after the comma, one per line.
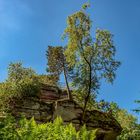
[30, 130]
[133, 134]
[91, 60]
[49, 79]
[137, 110]
[129, 124]
[85, 6]
[21, 82]
[7, 128]
[57, 64]
[16, 72]
[79, 98]
[55, 58]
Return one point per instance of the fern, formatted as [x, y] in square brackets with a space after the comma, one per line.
[30, 130]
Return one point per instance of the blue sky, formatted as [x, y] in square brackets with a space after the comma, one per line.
[27, 27]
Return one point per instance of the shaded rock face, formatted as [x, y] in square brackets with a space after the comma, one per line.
[49, 105]
[33, 107]
[51, 94]
[108, 127]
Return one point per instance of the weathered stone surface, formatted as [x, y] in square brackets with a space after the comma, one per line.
[47, 109]
[68, 110]
[33, 107]
[107, 126]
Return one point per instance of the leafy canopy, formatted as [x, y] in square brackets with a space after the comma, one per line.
[91, 59]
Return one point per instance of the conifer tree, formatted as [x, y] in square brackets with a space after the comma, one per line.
[57, 64]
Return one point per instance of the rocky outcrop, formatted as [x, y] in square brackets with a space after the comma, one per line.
[108, 127]
[49, 105]
[51, 93]
[33, 107]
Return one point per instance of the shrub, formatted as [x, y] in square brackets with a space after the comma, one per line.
[30, 130]
[21, 82]
[49, 79]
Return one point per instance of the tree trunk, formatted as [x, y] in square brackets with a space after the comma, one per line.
[89, 92]
[67, 84]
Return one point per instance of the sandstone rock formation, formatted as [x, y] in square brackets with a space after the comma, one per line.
[52, 103]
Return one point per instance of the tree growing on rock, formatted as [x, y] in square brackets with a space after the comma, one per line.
[57, 64]
[91, 59]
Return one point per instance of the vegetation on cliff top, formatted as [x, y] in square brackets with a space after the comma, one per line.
[84, 62]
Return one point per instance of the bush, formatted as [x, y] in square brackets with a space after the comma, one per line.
[30, 130]
[24, 80]
[49, 79]
[21, 82]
